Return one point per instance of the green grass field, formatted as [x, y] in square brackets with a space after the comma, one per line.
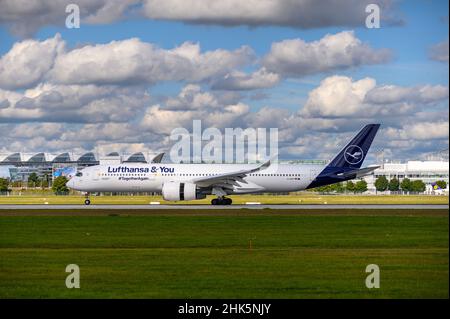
[301, 198]
[207, 254]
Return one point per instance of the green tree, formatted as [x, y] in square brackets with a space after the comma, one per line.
[361, 186]
[59, 185]
[381, 184]
[4, 183]
[350, 186]
[16, 184]
[332, 188]
[442, 184]
[33, 180]
[338, 187]
[322, 189]
[394, 185]
[44, 183]
[418, 186]
[405, 185]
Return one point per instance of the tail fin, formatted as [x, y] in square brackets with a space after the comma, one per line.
[354, 153]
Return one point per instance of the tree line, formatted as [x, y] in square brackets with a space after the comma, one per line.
[382, 184]
[58, 187]
[406, 185]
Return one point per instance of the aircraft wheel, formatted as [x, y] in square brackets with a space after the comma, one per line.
[228, 201]
[87, 202]
[215, 201]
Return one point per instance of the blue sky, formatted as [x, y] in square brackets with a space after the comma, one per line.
[410, 66]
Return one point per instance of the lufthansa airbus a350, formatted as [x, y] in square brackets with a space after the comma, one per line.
[179, 182]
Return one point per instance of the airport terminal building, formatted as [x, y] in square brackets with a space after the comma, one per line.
[19, 166]
[427, 171]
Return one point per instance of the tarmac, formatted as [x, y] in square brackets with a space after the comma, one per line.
[188, 207]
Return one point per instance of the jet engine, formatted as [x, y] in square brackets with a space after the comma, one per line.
[174, 191]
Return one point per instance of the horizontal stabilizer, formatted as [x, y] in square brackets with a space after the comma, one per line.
[358, 172]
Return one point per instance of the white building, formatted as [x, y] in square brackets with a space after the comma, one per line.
[427, 171]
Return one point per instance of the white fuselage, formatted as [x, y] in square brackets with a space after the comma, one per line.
[151, 177]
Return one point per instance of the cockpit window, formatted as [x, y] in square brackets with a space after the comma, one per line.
[79, 174]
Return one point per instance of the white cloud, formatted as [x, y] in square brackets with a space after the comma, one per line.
[296, 58]
[192, 97]
[45, 130]
[420, 94]
[125, 62]
[237, 80]
[24, 18]
[28, 62]
[340, 96]
[95, 96]
[73, 103]
[294, 13]
[192, 104]
[337, 96]
[135, 62]
[420, 131]
[157, 119]
[268, 117]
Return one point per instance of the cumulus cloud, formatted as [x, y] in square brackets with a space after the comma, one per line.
[24, 18]
[127, 62]
[439, 52]
[237, 80]
[192, 97]
[300, 134]
[296, 58]
[28, 62]
[133, 61]
[193, 104]
[73, 103]
[340, 96]
[337, 96]
[293, 13]
[417, 94]
[269, 117]
[45, 130]
[96, 96]
[420, 131]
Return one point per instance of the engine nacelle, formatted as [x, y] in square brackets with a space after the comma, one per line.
[174, 191]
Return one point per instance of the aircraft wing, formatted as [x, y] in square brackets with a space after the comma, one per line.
[227, 180]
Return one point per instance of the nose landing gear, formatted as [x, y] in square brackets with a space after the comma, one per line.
[221, 201]
[87, 201]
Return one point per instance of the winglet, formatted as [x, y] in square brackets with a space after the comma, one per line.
[268, 163]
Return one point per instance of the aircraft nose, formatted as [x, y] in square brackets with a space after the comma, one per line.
[71, 183]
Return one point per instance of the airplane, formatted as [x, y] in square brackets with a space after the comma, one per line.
[182, 182]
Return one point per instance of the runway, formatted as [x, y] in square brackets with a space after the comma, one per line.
[198, 207]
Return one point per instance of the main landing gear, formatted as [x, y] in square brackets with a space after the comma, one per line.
[221, 201]
[87, 201]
